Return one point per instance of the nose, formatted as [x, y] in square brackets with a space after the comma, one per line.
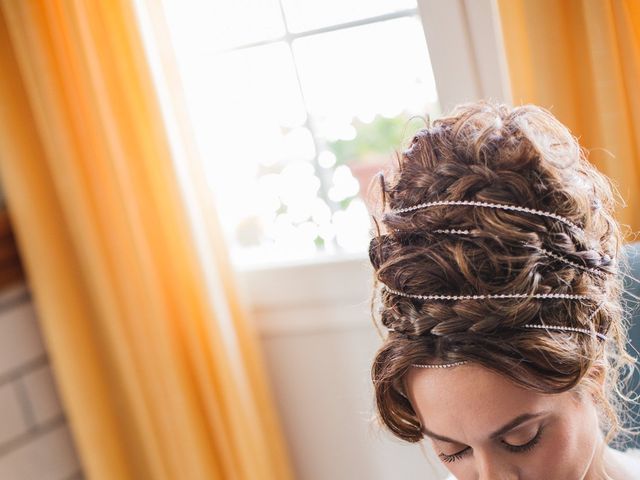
[492, 468]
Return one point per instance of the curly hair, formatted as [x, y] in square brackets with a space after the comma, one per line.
[492, 152]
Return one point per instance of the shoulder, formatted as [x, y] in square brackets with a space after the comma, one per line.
[630, 461]
[632, 454]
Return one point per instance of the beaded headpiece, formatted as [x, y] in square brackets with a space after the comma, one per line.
[546, 252]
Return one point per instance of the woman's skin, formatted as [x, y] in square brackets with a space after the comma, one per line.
[467, 403]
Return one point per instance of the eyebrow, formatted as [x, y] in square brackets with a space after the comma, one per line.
[510, 425]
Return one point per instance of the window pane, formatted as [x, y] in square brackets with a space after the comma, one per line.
[309, 14]
[363, 86]
[211, 26]
[379, 68]
[249, 121]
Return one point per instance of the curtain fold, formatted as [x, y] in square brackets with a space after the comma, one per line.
[157, 383]
[581, 60]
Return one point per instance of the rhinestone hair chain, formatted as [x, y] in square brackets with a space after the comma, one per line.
[500, 206]
[517, 208]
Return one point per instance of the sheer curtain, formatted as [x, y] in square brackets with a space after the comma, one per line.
[158, 380]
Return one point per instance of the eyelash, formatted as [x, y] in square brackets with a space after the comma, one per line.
[515, 449]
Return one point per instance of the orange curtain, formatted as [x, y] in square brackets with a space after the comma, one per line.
[158, 380]
[581, 60]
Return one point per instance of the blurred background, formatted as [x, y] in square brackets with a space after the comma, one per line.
[308, 100]
[185, 214]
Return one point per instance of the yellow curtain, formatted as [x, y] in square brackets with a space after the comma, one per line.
[581, 60]
[157, 381]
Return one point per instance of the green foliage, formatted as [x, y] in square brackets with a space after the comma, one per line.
[382, 136]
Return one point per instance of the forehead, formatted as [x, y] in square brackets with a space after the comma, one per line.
[468, 402]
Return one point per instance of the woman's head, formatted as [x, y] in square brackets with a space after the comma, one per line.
[504, 155]
[512, 431]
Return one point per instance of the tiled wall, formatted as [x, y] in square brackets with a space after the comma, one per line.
[35, 441]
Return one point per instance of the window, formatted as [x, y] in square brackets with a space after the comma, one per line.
[296, 104]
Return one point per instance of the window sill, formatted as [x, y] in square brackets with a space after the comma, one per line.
[324, 281]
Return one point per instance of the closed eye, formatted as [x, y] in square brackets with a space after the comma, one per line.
[512, 448]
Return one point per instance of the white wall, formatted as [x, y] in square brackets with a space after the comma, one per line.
[319, 342]
[35, 442]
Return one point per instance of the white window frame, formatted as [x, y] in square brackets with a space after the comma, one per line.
[466, 47]
[467, 55]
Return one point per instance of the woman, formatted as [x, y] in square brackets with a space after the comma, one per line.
[500, 267]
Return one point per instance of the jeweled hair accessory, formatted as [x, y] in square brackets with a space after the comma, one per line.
[500, 206]
[569, 296]
[544, 251]
[538, 326]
